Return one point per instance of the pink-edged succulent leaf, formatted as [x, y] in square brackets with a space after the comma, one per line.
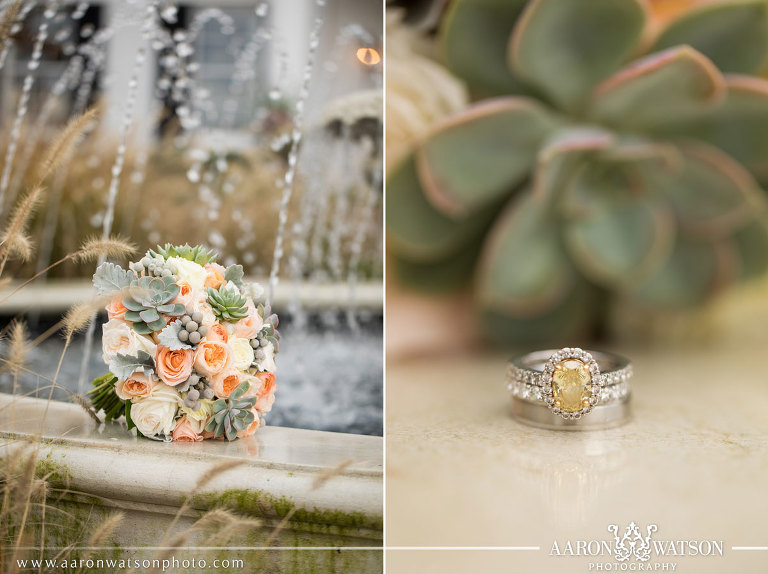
[565, 47]
[739, 126]
[675, 83]
[712, 194]
[695, 271]
[475, 35]
[523, 269]
[569, 320]
[752, 247]
[416, 229]
[562, 153]
[732, 33]
[621, 239]
[480, 155]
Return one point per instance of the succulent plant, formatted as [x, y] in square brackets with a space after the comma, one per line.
[232, 414]
[198, 254]
[148, 299]
[227, 303]
[607, 162]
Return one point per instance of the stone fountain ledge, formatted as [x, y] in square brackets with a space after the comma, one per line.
[148, 480]
[56, 296]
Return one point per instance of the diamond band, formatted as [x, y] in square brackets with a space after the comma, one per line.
[570, 383]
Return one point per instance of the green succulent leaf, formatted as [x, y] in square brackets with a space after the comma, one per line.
[110, 278]
[566, 48]
[752, 247]
[149, 315]
[737, 126]
[712, 194]
[671, 84]
[523, 268]
[569, 320]
[239, 391]
[733, 34]
[443, 276]
[482, 154]
[198, 254]
[621, 240]
[482, 64]
[416, 229]
[562, 154]
[694, 272]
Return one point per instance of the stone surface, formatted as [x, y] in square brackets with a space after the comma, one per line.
[461, 472]
[278, 472]
[571, 385]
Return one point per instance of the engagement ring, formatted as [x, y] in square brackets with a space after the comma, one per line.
[570, 388]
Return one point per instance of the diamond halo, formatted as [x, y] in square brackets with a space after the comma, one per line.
[550, 393]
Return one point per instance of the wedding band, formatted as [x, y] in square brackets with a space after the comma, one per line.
[570, 389]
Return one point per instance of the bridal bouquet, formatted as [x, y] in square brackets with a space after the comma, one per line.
[190, 355]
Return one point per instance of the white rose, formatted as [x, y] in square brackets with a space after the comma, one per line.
[242, 353]
[268, 362]
[119, 337]
[199, 417]
[190, 272]
[155, 414]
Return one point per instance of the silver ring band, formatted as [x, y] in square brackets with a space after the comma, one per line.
[570, 389]
[601, 417]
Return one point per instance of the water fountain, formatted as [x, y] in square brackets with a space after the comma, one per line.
[293, 134]
[338, 170]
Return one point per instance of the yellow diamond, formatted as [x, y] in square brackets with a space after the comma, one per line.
[571, 385]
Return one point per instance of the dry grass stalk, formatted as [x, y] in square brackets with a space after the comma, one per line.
[60, 148]
[91, 249]
[215, 471]
[18, 346]
[13, 240]
[113, 247]
[86, 406]
[324, 476]
[77, 318]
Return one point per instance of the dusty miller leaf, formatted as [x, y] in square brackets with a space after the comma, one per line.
[110, 278]
[235, 274]
[169, 337]
[123, 366]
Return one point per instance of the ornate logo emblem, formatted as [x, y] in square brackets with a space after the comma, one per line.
[632, 543]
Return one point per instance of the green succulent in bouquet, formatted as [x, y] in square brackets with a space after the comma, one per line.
[227, 303]
[148, 300]
[232, 414]
[197, 254]
[605, 162]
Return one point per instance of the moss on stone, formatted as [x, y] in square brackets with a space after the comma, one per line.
[263, 504]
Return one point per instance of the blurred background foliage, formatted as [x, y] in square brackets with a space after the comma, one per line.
[575, 161]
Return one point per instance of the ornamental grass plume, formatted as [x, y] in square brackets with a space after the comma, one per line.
[14, 241]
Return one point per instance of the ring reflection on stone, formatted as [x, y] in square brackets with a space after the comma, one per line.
[559, 388]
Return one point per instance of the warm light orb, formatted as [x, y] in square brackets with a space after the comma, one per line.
[368, 56]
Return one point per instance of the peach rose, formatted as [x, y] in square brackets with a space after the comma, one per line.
[226, 381]
[173, 367]
[212, 357]
[266, 395]
[116, 309]
[215, 277]
[138, 385]
[247, 327]
[217, 332]
[186, 294]
[184, 431]
[251, 427]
